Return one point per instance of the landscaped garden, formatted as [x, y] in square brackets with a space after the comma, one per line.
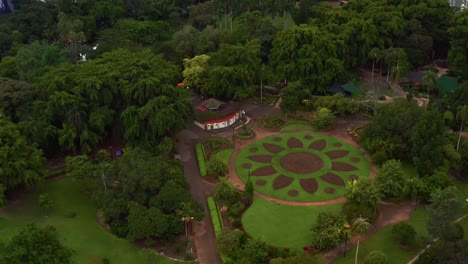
[302, 167]
[73, 214]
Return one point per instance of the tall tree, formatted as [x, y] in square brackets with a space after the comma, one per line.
[391, 181]
[38, 245]
[458, 53]
[462, 113]
[22, 164]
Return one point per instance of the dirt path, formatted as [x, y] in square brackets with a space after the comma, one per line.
[390, 213]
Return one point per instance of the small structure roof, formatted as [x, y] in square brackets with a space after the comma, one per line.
[210, 104]
[415, 76]
[350, 87]
[447, 84]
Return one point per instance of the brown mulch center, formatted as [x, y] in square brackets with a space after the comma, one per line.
[318, 145]
[337, 144]
[261, 158]
[246, 165]
[301, 162]
[354, 159]
[293, 193]
[264, 171]
[260, 182]
[341, 166]
[295, 143]
[308, 137]
[330, 190]
[282, 181]
[277, 139]
[336, 154]
[253, 150]
[272, 148]
[309, 185]
[332, 179]
[353, 177]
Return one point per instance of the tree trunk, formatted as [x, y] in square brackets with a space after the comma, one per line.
[459, 134]
[103, 178]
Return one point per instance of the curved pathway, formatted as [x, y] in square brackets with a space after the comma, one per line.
[339, 131]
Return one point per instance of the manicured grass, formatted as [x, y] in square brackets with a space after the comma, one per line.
[282, 225]
[201, 159]
[225, 155]
[82, 233]
[257, 148]
[296, 127]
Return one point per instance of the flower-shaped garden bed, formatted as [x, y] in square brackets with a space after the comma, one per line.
[303, 167]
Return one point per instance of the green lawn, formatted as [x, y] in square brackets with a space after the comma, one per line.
[82, 233]
[296, 127]
[225, 155]
[282, 225]
[243, 161]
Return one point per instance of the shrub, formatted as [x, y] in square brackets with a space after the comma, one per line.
[178, 248]
[201, 159]
[215, 219]
[236, 210]
[273, 121]
[45, 201]
[105, 261]
[249, 189]
[324, 118]
[391, 181]
[324, 229]
[119, 228]
[339, 104]
[188, 256]
[237, 223]
[380, 157]
[403, 233]
[352, 211]
[216, 167]
[376, 257]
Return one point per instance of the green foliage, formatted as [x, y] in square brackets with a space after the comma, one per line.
[353, 211]
[45, 201]
[230, 240]
[216, 167]
[458, 35]
[324, 118]
[3, 198]
[195, 71]
[446, 207]
[290, 101]
[327, 230]
[225, 192]
[272, 121]
[403, 233]
[23, 164]
[391, 181]
[299, 259]
[337, 103]
[376, 257]
[33, 244]
[362, 194]
[215, 217]
[201, 159]
[389, 132]
[429, 185]
[249, 188]
[431, 151]
[233, 71]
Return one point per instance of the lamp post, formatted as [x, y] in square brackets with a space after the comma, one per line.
[186, 219]
[345, 230]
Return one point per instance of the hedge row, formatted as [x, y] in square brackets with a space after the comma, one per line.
[201, 159]
[217, 220]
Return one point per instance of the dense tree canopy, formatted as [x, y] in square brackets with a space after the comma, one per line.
[38, 245]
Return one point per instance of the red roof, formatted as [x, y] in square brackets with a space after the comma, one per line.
[222, 119]
[202, 108]
[180, 84]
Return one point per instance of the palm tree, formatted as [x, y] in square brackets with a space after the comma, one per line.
[374, 54]
[462, 112]
[360, 225]
[430, 81]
